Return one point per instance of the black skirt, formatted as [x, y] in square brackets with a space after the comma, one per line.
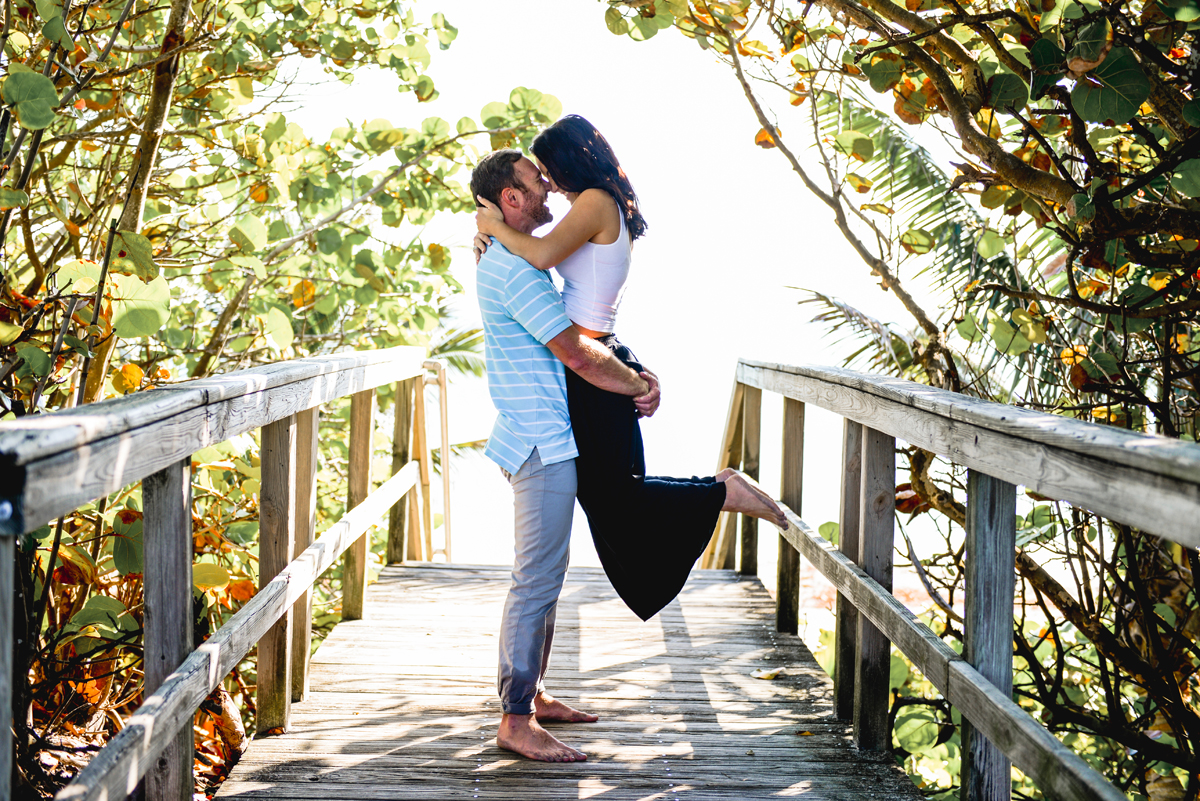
[648, 530]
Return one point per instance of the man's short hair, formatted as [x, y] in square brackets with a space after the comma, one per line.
[494, 173]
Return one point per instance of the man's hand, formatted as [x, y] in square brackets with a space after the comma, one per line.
[647, 404]
[480, 245]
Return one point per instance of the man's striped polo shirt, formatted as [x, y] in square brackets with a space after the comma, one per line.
[522, 311]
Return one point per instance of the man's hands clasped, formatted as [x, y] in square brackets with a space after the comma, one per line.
[647, 404]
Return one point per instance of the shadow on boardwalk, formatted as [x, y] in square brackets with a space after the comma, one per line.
[403, 704]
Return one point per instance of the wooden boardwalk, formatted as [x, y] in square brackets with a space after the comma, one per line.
[403, 703]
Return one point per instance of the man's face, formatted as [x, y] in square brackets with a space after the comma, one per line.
[535, 189]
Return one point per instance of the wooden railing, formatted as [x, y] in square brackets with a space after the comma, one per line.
[1149, 482]
[51, 464]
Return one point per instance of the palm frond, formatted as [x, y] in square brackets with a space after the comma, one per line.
[457, 449]
[462, 348]
[885, 347]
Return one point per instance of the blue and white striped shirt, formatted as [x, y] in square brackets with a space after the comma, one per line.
[522, 311]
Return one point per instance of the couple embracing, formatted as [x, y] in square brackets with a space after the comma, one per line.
[568, 397]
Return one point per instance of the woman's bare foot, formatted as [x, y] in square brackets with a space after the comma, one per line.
[742, 494]
[549, 709]
[523, 735]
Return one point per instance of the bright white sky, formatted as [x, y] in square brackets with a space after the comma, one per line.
[731, 227]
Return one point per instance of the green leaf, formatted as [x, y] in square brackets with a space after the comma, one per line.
[1187, 178]
[139, 309]
[249, 233]
[1121, 90]
[829, 530]
[466, 124]
[56, 31]
[128, 546]
[328, 241]
[968, 329]
[208, 576]
[1101, 365]
[1007, 339]
[36, 358]
[898, 674]
[855, 144]
[991, 244]
[279, 328]
[883, 70]
[916, 729]
[494, 115]
[32, 96]
[101, 610]
[1181, 10]
[1046, 59]
[1191, 113]
[615, 22]
[1091, 40]
[917, 240]
[13, 199]
[1006, 90]
[133, 255]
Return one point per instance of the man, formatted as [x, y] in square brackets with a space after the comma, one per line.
[529, 340]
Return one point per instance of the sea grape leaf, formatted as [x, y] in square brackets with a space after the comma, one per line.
[1114, 91]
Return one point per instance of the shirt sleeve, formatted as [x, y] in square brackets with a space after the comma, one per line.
[531, 299]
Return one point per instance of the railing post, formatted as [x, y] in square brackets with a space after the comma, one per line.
[444, 419]
[876, 532]
[8, 556]
[730, 456]
[276, 531]
[167, 554]
[421, 448]
[305, 518]
[988, 631]
[787, 593]
[751, 440]
[401, 450]
[354, 563]
[846, 624]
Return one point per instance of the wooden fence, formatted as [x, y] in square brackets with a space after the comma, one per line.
[1149, 482]
[51, 464]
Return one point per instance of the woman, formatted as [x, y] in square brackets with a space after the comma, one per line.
[627, 510]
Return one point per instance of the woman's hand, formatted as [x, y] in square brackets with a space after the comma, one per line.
[487, 216]
[480, 245]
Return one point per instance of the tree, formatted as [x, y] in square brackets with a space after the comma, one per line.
[162, 218]
[1062, 234]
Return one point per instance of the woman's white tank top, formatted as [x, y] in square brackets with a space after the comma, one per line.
[594, 280]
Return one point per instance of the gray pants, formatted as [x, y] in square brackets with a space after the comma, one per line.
[544, 498]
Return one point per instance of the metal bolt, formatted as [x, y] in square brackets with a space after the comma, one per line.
[6, 510]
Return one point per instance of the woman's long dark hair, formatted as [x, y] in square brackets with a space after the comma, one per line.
[578, 157]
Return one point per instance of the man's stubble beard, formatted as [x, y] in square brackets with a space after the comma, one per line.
[538, 212]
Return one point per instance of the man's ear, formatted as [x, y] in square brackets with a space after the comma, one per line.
[509, 196]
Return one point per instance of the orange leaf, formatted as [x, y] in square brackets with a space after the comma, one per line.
[764, 139]
[304, 294]
[258, 193]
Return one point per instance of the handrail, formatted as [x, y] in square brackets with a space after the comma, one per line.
[51, 464]
[1002, 446]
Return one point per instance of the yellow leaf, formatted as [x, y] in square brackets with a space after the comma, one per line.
[1160, 280]
[766, 674]
[128, 378]
[859, 183]
[207, 576]
[1074, 355]
[304, 294]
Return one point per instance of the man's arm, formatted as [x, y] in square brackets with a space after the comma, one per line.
[596, 364]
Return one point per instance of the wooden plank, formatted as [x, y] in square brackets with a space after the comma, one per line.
[876, 532]
[846, 621]
[167, 537]
[787, 593]
[115, 771]
[444, 420]
[991, 544]
[305, 517]
[401, 454]
[59, 461]
[1061, 458]
[1032, 749]
[421, 454]
[729, 456]
[8, 557]
[751, 443]
[276, 532]
[354, 563]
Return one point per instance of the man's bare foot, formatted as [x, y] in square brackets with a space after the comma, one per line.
[549, 709]
[523, 735]
[742, 494]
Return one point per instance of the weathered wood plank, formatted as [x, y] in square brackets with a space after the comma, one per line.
[276, 533]
[167, 538]
[729, 456]
[444, 420]
[846, 620]
[305, 517]
[115, 771]
[8, 556]
[354, 563]
[991, 545]
[401, 454]
[876, 533]
[787, 569]
[55, 462]
[751, 444]
[1061, 458]
[421, 454]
